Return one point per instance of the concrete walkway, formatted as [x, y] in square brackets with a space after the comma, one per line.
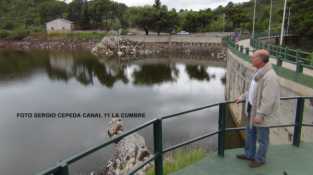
[281, 160]
[246, 43]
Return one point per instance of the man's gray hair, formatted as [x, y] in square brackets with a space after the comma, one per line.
[264, 55]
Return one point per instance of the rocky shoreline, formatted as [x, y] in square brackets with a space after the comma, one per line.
[123, 47]
[126, 47]
[47, 44]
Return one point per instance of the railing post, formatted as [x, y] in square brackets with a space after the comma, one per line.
[221, 128]
[279, 57]
[299, 68]
[247, 51]
[298, 122]
[279, 61]
[286, 53]
[241, 49]
[158, 147]
[63, 170]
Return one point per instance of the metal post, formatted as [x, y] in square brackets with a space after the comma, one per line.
[283, 25]
[224, 16]
[247, 51]
[279, 62]
[63, 170]
[298, 122]
[221, 128]
[253, 23]
[288, 21]
[285, 53]
[299, 68]
[280, 57]
[270, 21]
[158, 147]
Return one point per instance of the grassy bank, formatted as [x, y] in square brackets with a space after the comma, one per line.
[180, 159]
[17, 34]
[21, 34]
[77, 35]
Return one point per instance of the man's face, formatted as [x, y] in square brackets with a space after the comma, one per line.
[256, 60]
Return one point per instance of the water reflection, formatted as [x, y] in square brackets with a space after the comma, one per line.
[85, 69]
[198, 72]
[147, 75]
[79, 82]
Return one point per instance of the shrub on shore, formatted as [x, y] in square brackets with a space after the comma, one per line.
[77, 35]
[17, 34]
[180, 159]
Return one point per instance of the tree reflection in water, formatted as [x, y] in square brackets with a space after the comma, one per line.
[153, 74]
[86, 69]
[198, 72]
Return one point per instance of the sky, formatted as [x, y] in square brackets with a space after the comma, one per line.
[183, 4]
[180, 4]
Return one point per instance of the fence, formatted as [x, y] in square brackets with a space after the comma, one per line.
[62, 168]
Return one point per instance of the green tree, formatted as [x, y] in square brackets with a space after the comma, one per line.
[78, 12]
[49, 10]
[157, 4]
[302, 17]
[146, 19]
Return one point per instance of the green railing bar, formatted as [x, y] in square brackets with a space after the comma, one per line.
[116, 139]
[158, 147]
[194, 110]
[296, 76]
[189, 141]
[309, 125]
[221, 129]
[62, 168]
[283, 52]
[298, 122]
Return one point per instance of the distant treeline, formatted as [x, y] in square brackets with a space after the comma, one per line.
[24, 16]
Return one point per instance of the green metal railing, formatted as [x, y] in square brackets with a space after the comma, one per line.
[289, 74]
[62, 168]
[298, 57]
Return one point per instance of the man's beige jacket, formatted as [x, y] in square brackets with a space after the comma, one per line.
[267, 101]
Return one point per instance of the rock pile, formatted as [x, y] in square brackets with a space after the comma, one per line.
[114, 46]
[129, 153]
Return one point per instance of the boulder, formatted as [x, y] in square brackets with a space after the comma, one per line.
[110, 46]
[129, 152]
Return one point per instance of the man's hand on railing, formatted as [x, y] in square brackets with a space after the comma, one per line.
[238, 100]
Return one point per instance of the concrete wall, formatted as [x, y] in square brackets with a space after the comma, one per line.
[238, 77]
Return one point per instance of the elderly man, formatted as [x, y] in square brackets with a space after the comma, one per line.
[261, 107]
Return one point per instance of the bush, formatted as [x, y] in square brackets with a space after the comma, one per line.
[81, 35]
[18, 34]
[124, 32]
[4, 34]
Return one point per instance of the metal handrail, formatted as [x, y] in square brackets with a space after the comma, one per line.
[297, 75]
[62, 168]
[302, 58]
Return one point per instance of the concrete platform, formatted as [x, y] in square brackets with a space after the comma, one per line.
[281, 160]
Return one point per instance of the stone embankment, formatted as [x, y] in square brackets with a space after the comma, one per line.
[29, 44]
[139, 46]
